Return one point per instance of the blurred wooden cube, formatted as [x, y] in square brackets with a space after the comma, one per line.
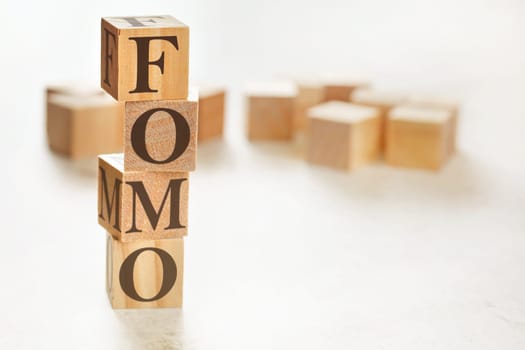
[315, 90]
[72, 88]
[381, 99]
[433, 101]
[211, 113]
[144, 274]
[438, 102]
[80, 126]
[270, 111]
[418, 137]
[340, 89]
[343, 135]
[309, 94]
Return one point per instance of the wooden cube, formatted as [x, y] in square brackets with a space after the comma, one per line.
[73, 89]
[309, 94]
[270, 111]
[80, 126]
[144, 274]
[161, 135]
[312, 91]
[340, 89]
[141, 205]
[211, 113]
[343, 135]
[144, 58]
[418, 137]
[381, 99]
[438, 102]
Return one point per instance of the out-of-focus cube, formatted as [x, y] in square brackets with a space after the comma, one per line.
[339, 89]
[270, 111]
[73, 89]
[381, 99]
[84, 125]
[343, 135]
[211, 113]
[309, 94]
[437, 102]
[418, 137]
[384, 100]
[315, 90]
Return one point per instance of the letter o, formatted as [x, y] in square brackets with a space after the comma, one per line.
[138, 135]
[169, 274]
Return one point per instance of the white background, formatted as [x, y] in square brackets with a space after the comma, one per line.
[280, 254]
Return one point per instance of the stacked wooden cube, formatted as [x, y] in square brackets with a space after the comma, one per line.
[143, 193]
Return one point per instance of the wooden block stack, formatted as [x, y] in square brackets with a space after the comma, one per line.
[143, 193]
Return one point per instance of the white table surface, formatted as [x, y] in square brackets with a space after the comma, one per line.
[281, 254]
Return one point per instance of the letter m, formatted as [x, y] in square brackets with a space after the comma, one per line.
[173, 191]
[112, 205]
